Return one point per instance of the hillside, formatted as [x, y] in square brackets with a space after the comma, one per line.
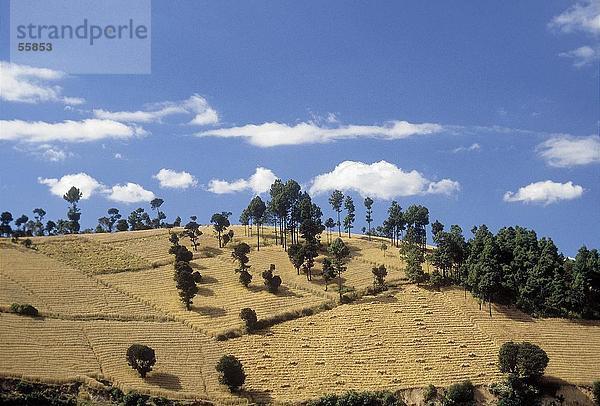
[99, 293]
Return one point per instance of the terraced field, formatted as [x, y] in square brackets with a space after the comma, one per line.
[97, 294]
[407, 340]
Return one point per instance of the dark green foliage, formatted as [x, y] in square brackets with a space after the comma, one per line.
[596, 392]
[181, 253]
[350, 216]
[430, 393]
[240, 254]
[141, 358]
[192, 231]
[460, 394]
[256, 210]
[414, 263]
[249, 317]
[24, 309]
[525, 360]
[74, 214]
[379, 274]
[328, 271]
[135, 399]
[353, 398]
[516, 392]
[368, 202]
[338, 251]
[335, 200]
[231, 372]
[220, 222]
[272, 282]
[27, 243]
[185, 277]
[296, 255]
[122, 225]
[5, 219]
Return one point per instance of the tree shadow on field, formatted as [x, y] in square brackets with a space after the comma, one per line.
[208, 279]
[197, 266]
[164, 380]
[210, 252]
[284, 291]
[211, 311]
[205, 291]
[510, 313]
[257, 396]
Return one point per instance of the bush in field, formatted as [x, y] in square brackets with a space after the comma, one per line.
[523, 360]
[460, 394]
[27, 243]
[231, 372]
[272, 282]
[249, 317]
[596, 392]
[352, 398]
[240, 254]
[24, 309]
[430, 393]
[379, 274]
[141, 358]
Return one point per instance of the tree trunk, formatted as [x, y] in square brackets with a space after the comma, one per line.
[339, 225]
[257, 237]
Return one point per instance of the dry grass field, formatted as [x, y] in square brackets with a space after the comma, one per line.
[97, 294]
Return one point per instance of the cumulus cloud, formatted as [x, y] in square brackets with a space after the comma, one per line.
[27, 84]
[582, 16]
[381, 180]
[129, 193]
[566, 150]
[197, 105]
[582, 56]
[169, 178]
[258, 183]
[66, 131]
[545, 192]
[84, 182]
[275, 134]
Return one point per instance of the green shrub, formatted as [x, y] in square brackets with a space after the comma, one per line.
[24, 309]
[231, 372]
[524, 360]
[135, 399]
[353, 398]
[249, 317]
[430, 393]
[460, 394]
[596, 392]
[141, 358]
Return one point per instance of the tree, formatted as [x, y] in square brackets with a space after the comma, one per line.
[113, 217]
[369, 214]
[51, 227]
[103, 225]
[328, 271]
[383, 248]
[20, 222]
[585, 293]
[414, 264]
[596, 392]
[350, 216]
[74, 214]
[139, 220]
[335, 200]
[257, 209]
[38, 226]
[244, 220]
[220, 223]
[460, 394]
[296, 256]
[249, 317]
[339, 252]
[524, 360]
[122, 225]
[240, 254]
[330, 224]
[231, 372]
[141, 358]
[379, 274]
[155, 205]
[185, 277]
[272, 282]
[395, 223]
[5, 219]
[192, 231]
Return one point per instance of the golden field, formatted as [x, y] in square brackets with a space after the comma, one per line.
[99, 293]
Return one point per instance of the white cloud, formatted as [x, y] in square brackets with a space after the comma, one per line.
[27, 84]
[84, 182]
[545, 192]
[566, 150]
[66, 131]
[472, 147]
[118, 156]
[129, 193]
[169, 178]
[197, 105]
[381, 180]
[275, 134]
[582, 56]
[583, 16]
[258, 183]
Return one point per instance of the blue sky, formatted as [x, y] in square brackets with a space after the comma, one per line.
[485, 112]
